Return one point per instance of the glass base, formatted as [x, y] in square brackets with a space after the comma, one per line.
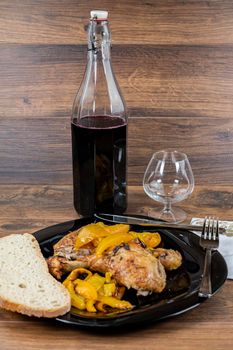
[174, 215]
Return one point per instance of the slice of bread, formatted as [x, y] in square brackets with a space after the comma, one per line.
[26, 285]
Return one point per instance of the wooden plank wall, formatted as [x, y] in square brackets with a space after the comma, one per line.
[174, 63]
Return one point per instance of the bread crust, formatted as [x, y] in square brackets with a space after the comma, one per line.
[10, 305]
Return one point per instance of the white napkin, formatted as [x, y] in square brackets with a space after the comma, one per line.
[225, 242]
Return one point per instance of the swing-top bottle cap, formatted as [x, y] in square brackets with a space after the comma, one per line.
[99, 15]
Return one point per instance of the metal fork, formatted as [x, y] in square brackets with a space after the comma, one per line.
[209, 241]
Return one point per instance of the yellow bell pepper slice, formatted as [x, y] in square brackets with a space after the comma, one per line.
[111, 241]
[88, 233]
[118, 228]
[108, 277]
[115, 303]
[109, 289]
[100, 306]
[76, 273]
[76, 300]
[90, 306]
[96, 281]
[85, 289]
[150, 239]
[101, 291]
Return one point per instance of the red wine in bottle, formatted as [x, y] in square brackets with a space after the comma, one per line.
[99, 170]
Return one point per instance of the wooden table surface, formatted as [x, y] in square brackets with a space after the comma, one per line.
[173, 60]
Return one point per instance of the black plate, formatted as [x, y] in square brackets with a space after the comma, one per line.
[180, 295]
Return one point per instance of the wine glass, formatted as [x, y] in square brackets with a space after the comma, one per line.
[168, 179]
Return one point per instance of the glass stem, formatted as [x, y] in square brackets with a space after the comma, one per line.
[167, 207]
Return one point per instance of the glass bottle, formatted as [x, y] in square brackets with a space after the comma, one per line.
[99, 129]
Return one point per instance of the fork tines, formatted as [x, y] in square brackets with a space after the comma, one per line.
[210, 228]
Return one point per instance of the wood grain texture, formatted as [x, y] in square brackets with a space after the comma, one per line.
[145, 21]
[28, 208]
[172, 81]
[38, 150]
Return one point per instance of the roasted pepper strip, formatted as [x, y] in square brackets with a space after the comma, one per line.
[100, 306]
[108, 277]
[118, 228]
[109, 289]
[76, 300]
[115, 303]
[111, 241]
[88, 233]
[90, 306]
[75, 273]
[96, 281]
[85, 289]
[151, 239]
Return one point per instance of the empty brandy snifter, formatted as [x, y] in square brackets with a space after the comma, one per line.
[168, 179]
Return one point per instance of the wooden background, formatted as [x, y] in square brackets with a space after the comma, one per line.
[174, 62]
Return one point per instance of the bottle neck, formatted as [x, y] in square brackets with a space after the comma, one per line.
[99, 40]
[99, 93]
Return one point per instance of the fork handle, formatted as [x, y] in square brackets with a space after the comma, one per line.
[205, 287]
